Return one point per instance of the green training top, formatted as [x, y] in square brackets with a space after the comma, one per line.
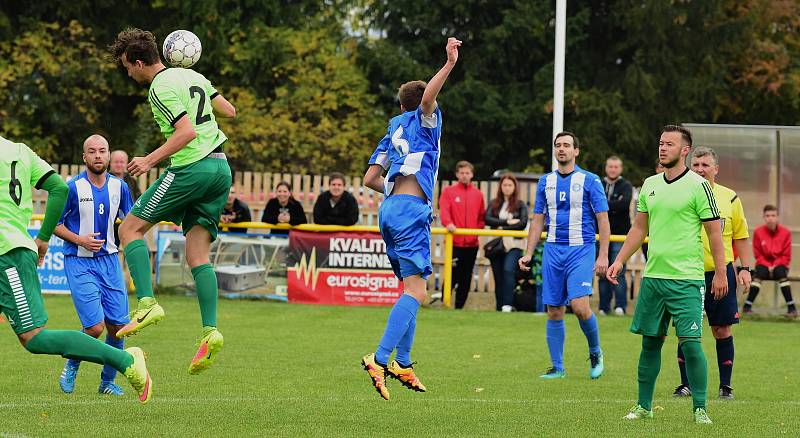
[20, 171]
[676, 210]
[176, 92]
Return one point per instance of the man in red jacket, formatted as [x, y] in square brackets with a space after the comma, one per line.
[461, 205]
[772, 247]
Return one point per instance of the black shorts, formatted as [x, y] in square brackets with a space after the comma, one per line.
[778, 273]
[726, 310]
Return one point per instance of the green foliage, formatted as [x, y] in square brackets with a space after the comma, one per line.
[53, 88]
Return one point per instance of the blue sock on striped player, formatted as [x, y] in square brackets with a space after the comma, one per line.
[592, 333]
[556, 332]
[404, 310]
[109, 373]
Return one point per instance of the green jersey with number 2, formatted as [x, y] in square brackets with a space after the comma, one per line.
[179, 92]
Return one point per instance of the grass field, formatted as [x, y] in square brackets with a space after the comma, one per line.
[293, 370]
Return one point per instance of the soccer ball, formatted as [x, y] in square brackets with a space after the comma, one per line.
[182, 49]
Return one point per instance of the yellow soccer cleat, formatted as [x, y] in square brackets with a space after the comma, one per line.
[210, 345]
[147, 312]
[138, 376]
[406, 376]
[377, 374]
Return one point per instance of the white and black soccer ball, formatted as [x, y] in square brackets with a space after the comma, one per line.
[182, 49]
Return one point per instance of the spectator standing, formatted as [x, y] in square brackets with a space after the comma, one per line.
[619, 193]
[119, 168]
[283, 209]
[336, 206]
[461, 205]
[506, 212]
[235, 211]
[772, 247]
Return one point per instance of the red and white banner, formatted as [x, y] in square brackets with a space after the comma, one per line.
[341, 268]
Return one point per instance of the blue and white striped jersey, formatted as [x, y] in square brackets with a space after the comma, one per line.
[94, 210]
[570, 203]
[411, 147]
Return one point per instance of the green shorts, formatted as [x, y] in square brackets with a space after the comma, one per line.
[194, 194]
[20, 291]
[662, 299]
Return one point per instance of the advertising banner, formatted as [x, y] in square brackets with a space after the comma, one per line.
[340, 268]
[51, 273]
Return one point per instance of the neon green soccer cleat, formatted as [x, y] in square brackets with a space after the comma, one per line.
[638, 413]
[209, 346]
[138, 376]
[701, 416]
[147, 312]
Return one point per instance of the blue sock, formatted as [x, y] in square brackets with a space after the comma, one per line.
[592, 333]
[74, 363]
[404, 310]
[109, 373]
[404, 346]
[555, 343]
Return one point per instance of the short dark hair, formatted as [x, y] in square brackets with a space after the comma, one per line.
[770, 207]
[686, 135]
[285, 184]
[410, 94]
[334, 176]
[565, 133]
[137, 45]
[614, 158]
[464, 163]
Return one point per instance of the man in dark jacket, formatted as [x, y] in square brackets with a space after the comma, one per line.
[235, 211]
[619, 193]
[336, 206]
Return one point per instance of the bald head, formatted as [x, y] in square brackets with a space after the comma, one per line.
[95, 154]
[95, 140]
[119, 163]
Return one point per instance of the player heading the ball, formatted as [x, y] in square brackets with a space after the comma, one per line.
[193, 190]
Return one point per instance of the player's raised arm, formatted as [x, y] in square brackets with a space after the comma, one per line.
[223, 108]
[428, 104]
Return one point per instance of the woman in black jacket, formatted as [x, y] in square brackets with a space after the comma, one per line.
[283, 209]
[506, 212]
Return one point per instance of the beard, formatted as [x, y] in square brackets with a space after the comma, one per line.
[672, 163]
[96, 171]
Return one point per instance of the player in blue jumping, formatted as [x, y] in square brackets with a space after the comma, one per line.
[571, 199]
[96, 199]
[410, 154]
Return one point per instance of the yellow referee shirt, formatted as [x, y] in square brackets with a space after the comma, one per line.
[734, 224]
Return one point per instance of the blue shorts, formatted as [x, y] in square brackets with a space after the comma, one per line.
[724, 311]
[405, 223]
[98, 289]
[567, 273]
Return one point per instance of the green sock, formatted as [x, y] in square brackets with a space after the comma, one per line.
[696, 370]
[205, 280]
[649, 367]
[73, 344]
[138, 257]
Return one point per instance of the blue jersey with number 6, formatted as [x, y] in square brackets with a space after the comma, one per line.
[411, 147]
[570, 203]
[91, 209]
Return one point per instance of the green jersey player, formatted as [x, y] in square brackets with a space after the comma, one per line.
[193, 190]
[674, 206]
[20, 292]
